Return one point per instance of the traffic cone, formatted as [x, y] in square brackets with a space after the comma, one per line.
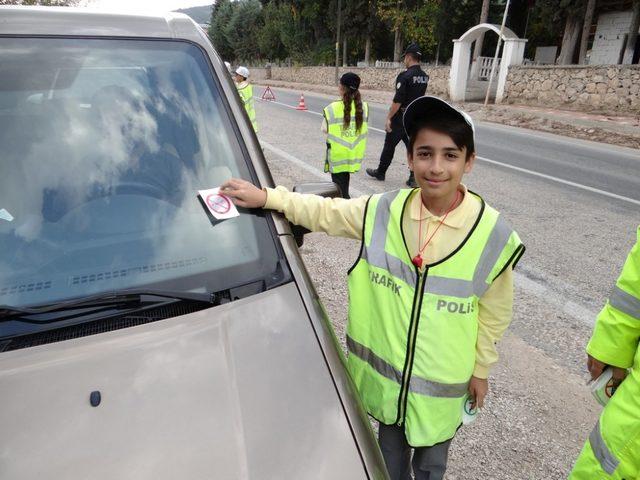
[301, 105]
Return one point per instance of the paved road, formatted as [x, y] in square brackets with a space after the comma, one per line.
[608, 169]
[539, 411]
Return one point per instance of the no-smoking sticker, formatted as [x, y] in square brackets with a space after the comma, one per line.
[219, 205]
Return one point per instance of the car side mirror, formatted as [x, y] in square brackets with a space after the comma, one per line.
[324, 189]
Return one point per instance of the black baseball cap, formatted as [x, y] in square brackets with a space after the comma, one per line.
[414, 49]
[350, 80]
[427, 107]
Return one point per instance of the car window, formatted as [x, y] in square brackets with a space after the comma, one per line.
[104, 144]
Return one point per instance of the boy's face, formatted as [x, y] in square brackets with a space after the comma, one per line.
[438, 164]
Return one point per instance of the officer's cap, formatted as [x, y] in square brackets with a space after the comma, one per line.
[429, 107]
[414, 49]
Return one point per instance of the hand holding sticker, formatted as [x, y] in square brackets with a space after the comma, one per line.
[218, 204]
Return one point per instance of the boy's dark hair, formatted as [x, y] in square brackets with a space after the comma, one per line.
[459, 131]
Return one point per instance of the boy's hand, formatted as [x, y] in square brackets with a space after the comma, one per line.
[387, 126]
[244, 194]
[478, 388]
[596, 367]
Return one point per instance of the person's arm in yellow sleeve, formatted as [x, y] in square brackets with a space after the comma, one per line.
[494, 316]
[335, 216]
[495, 310]
[616, 335]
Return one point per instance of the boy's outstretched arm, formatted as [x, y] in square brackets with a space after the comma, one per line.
[334, 216]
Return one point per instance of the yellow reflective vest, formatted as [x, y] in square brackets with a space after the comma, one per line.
[613, 448]
[412, 334]
[345, 147]
[246, 94]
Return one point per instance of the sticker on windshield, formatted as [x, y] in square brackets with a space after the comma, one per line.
[219, 205]
[5, 215]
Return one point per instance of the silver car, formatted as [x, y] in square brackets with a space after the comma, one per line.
[139, 338]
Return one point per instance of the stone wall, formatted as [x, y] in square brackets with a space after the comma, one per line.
[609, 88]
[372, 78]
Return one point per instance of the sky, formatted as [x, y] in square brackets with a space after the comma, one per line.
[144, 5]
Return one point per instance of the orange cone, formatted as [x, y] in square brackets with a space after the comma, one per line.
[301, 105]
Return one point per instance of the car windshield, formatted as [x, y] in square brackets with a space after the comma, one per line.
[104, 144]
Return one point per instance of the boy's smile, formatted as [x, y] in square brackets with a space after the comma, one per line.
[438, 165]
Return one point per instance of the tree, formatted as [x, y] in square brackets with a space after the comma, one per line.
[243, 29]
[219, 28]
[484, 16]
[414, 20]
[586, 30]
[573, 12]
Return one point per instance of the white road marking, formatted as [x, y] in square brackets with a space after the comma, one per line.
[574, 309]
[560, 180]
[305, 166]
[518, 169]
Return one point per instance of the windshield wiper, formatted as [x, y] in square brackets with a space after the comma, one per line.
[102, 301]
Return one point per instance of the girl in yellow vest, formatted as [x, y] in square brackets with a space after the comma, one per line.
[345, 123]
[430, 293]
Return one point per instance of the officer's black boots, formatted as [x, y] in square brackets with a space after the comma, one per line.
[373, 172]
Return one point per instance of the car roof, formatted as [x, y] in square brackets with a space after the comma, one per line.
[70, 21]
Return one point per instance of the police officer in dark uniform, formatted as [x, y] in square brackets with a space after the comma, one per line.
[410, 84]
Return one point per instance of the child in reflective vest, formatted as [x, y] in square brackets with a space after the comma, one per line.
[430, 293]
[345, 123]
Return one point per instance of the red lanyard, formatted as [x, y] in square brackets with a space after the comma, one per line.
[417, 260]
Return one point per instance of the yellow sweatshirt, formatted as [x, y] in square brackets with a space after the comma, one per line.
[344, 218]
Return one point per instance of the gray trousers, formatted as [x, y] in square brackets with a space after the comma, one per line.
[429, 463]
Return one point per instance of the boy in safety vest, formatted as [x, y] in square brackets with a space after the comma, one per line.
[613, 448]
[345, 123]
[246, 94]
[430, 293]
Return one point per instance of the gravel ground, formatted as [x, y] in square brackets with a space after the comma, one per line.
[539, 411]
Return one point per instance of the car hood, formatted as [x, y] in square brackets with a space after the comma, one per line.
[232, 392]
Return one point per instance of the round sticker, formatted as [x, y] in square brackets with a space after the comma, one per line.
[398, 85]
[219, 203]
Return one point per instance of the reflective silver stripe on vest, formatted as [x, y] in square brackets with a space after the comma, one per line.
[493, 249]
[607, 460]
[435, 389]
[375, 254]
[625, 302]
[331, 116]
[417, 385]
[452, 287]
[379, 365]
[336, 121]
[348, 161]
[345, 143]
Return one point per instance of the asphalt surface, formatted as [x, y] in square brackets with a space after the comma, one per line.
[607, 168]
[539, 411]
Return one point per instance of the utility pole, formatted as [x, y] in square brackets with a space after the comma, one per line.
[338, 42]
[495, 57]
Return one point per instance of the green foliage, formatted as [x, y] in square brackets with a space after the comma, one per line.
[304, 31]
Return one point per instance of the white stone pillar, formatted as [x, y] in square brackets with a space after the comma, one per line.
[459, 70]
[512, 54]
